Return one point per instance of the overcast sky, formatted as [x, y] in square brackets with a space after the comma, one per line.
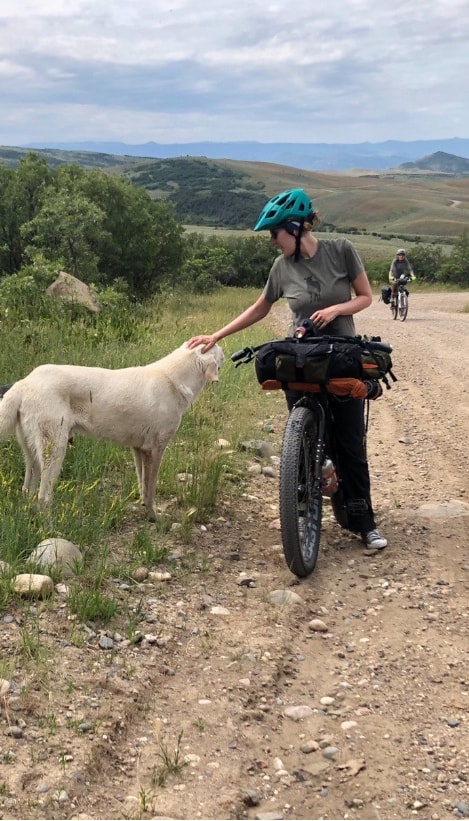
[176, 71]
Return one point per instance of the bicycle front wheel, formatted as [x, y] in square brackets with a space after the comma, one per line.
[403, 306]
[300, 498]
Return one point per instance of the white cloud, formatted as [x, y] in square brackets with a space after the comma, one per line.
[350, 70]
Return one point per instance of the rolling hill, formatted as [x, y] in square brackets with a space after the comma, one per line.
[230, 193]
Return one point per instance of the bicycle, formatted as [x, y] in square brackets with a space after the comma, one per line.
[309, 467]
[400, 301]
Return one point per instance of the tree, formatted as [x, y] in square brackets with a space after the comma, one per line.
[141, 240]
[252, 259]
[426, 261]
[21, 196]
[91, 223]
[206, 264]
[67, 230]
[455, 268]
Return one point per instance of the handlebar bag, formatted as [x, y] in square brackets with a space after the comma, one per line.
[293, 360]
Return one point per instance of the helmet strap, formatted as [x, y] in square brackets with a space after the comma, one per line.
[298, 241]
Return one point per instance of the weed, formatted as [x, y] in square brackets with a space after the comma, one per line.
[76, 637]
[30, 644]
[48, 722]
[200, 724]
[91, 605]
[144, 799]
[171, 763]
[135, 617]
[144, 549]
[63, 760]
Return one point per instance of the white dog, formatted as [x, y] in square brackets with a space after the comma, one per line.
[139, 407]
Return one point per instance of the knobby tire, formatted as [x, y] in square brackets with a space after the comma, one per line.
[300, 498]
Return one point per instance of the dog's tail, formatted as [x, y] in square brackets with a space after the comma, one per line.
[9, 407]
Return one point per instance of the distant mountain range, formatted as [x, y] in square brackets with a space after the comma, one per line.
[310, 156]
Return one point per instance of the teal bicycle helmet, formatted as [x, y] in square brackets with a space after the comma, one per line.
[289, 205]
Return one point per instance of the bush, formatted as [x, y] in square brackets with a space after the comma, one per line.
[23, 297]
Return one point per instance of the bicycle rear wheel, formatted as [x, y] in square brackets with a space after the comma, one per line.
[403, 306]
[394, 306]
[300, 498]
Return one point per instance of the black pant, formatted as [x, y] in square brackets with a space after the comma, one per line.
[349, 433]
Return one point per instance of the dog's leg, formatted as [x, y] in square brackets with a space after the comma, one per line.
[138, 459]
[151, 461]
[51, 458]
[32, 468]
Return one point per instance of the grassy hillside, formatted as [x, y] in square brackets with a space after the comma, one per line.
[230, 193]
[430, 206]
[400, 204]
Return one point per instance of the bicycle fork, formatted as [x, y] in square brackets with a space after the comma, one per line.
[316, 448]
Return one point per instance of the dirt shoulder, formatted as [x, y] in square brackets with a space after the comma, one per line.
[228, 704]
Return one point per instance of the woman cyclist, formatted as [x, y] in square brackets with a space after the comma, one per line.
[400, 267]
[317, 278]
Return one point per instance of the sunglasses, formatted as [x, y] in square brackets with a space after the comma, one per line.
[274, 233]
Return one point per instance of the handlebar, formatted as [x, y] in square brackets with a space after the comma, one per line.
[248, 353]
[376, 345]
[245, 355]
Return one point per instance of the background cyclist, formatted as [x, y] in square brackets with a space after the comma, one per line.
[400, 267]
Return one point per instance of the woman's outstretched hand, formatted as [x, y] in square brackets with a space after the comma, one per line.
[207, 340]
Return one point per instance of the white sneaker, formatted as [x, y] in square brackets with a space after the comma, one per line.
[375, 540]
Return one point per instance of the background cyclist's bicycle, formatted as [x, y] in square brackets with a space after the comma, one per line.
[399, 300]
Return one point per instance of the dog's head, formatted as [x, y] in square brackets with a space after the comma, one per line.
[210, 362]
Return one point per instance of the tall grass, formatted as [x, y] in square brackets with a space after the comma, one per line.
[96, 498]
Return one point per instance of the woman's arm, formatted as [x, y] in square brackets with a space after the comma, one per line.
[363, 299]
[257, 311]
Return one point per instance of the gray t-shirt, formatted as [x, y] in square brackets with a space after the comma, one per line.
[311, 284]
[400, 268]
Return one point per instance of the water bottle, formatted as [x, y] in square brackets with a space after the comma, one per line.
[329, 483]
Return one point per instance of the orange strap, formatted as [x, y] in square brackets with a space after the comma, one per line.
[344, 386]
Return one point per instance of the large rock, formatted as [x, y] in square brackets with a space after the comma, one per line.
[33, 585]
[59, 554]
[71, 289]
